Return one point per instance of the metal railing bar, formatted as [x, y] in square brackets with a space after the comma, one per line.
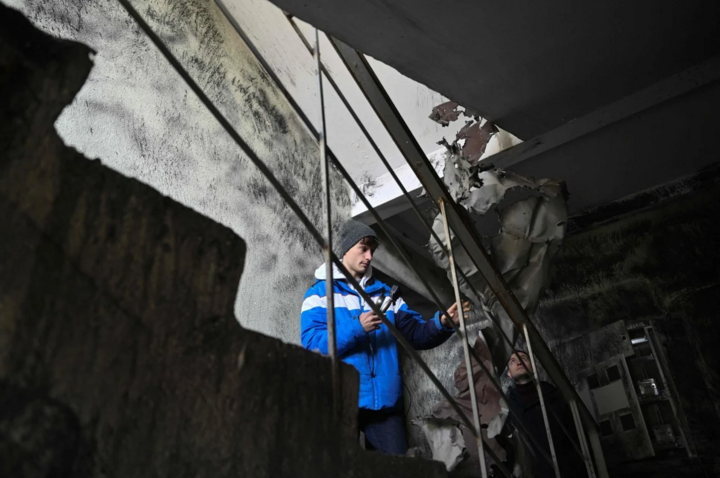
[327, 248]
[542, 405]
[583, 441]
[466, 346]
[299, 213]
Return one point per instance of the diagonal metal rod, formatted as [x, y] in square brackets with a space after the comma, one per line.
[298, 212]
[385, 109]
[583, 441]
[466, 346]
[327, 247]
[420, 215]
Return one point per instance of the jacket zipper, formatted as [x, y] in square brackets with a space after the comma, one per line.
[372, 353]
[372, 358]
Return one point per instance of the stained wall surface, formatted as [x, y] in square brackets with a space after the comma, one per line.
[137, 116]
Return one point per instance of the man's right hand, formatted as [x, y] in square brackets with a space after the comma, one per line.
[370, 321]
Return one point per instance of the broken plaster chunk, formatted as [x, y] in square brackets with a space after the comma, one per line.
[445, 439]
[445, 113]
[457, 176]
[476, 140]
[480, 200]
[510, 252]
[462, 260]
[538, 219]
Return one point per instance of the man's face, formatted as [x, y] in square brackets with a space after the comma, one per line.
[357, 259]
[516, 367]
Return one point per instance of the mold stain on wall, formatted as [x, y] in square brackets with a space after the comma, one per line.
[137, 116]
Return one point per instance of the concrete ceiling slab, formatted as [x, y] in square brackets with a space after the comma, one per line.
[528, 66]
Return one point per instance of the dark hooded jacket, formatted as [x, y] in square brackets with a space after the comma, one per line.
[524, 399]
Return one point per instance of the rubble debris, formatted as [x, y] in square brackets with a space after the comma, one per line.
[445, 438]
[445, 113]
[476, 139]
[522, 237]
[521, 223]
[494, 411]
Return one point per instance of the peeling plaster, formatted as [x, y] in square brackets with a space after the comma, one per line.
[522, 224]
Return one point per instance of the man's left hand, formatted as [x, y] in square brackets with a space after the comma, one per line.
[453, 311]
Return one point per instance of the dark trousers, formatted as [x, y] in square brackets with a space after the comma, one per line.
[384, 430]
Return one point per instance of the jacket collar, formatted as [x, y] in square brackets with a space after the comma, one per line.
[513, 395]
[367, 282]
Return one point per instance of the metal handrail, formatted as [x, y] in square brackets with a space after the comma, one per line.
[327, 246]
[465, 342]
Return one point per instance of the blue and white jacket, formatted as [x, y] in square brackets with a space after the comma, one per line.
[374, 355]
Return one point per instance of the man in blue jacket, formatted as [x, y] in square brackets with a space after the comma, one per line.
[364, 342]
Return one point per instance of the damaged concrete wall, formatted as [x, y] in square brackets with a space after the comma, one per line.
[137, 116]
[119, 351]
[658, 264]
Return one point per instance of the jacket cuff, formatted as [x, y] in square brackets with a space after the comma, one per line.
[439, 324]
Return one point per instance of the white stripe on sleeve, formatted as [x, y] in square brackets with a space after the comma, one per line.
[314, 301]
[349, 302]
[398, 303]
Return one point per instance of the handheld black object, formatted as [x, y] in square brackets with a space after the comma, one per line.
[389, 300]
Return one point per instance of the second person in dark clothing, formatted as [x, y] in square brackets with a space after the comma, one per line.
[524, 399]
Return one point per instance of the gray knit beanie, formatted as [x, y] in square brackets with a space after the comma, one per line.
[350, 234]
